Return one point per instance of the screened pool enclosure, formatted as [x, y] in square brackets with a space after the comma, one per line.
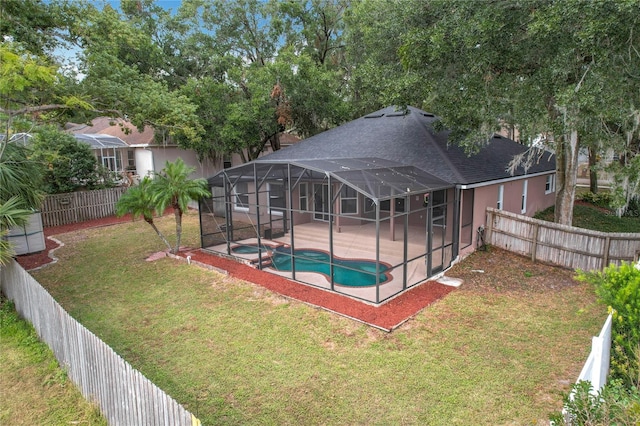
[369, 228]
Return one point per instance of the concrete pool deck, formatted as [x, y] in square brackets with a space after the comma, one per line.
[352, 242]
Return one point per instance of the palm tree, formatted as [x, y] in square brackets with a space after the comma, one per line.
[138, 201]
[172, 187]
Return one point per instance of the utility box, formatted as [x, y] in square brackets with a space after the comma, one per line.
[29, 238]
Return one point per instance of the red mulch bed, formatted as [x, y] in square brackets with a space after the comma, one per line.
[36, 260]
[387, 316]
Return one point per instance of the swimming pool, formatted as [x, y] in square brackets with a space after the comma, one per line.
[250, 249]
[346, 272]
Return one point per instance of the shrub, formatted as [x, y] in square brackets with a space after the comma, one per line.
[613, 405]
[601, 199]
[69, 164]
[619, 288]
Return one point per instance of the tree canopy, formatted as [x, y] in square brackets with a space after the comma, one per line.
[564, 71]
[228, 77]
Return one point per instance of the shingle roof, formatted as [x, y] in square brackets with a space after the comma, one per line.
[408, 138]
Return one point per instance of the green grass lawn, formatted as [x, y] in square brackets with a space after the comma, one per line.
[33, 389]
[597, 219]
[235, 354]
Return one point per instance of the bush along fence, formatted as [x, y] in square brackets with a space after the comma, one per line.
[562, 245]
[74, 207]
[124, 395]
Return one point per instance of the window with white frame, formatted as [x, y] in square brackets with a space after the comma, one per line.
[241, 197]
[550, 184]
[348, 200]
[525, 184]
[500, 202]
[304, 197]
[131, 159]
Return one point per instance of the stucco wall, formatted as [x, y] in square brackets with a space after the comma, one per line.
[204, 169]
[487, 196]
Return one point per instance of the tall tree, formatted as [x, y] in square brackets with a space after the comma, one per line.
[37, 25]
[254, 75]
[375, 32]
[124, 72]
[547, 68]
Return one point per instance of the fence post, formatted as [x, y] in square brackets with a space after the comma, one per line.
[605, 255]
[489, 226]
[534, 245]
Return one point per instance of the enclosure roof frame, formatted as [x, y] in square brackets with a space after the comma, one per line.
[375, 178]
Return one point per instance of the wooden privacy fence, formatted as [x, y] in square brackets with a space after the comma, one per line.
[74, 207]
[563, 245]
[123, 394]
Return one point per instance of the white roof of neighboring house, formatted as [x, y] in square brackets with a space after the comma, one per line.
[24, 138]
[98, 141]
[115, 127]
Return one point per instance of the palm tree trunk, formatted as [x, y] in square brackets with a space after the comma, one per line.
[155, 228]
[177, 211]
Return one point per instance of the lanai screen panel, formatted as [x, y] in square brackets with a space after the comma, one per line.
[377, 179]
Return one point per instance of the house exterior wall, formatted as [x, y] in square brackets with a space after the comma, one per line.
[537, 198]
[161, 155]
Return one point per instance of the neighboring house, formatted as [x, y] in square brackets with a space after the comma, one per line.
[111, 151]
[141, 154]
[378, 204]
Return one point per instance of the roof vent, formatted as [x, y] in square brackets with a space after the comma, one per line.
[397, 114]
[497, 136]
[374, 115]
[428, 114]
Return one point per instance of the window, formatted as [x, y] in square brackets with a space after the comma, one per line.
[348, 200]
[500, 197]
[524, 196]
[550, 185]
[110, 162]
[277, 199]
[304, 198]
[385, 205]
[131, 159]
[369, 205]
[241, 197]
[226, 161]
[438, 202]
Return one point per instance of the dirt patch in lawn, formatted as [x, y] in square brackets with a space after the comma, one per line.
[497, 270]
[492, 270]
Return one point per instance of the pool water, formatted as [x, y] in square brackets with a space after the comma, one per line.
[250, 249]
[347, 272]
